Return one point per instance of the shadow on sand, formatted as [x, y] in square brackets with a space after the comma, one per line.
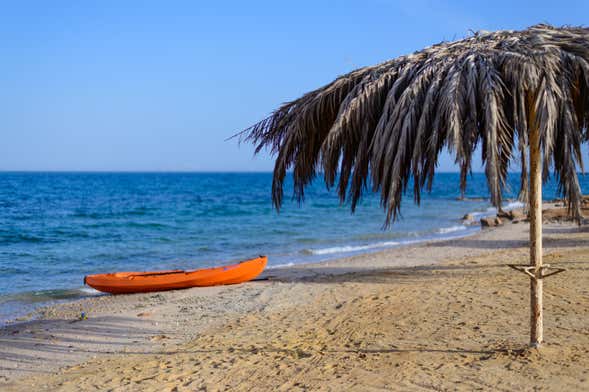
[24, 345]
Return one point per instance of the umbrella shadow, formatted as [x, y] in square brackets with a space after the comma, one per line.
[550, 240]
[476, 243]
[515, 349]
[386, 275]
[24, 345]
[566, 229]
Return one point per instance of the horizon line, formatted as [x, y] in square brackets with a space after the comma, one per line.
[189, 171]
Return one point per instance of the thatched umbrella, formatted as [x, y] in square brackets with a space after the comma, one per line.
[380, 126]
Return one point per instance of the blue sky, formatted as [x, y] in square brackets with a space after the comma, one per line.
[153, 85]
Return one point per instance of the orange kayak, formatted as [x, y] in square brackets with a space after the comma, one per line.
[141, 282]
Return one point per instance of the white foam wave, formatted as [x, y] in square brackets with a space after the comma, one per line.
[280, 266]
[89, 290]
[513, 205]
[492, 210]
[451, 229]
[352, 248]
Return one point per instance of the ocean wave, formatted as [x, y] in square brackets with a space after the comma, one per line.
[441, 233]
[147, 225]
[128, 224]
[69, 233]
[512, 205]
[12, 270]
[139, 211]
[384, 235]
[309, 240]
[89, 290]
[8, 239]
[280, 266]
[451, 229]
[474, 198]
[41, 296]
[351, 248]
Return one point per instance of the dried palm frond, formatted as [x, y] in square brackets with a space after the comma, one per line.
[387, 124]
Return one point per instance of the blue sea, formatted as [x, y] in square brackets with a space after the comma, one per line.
[57, 227]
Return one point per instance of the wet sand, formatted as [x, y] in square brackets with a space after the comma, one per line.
[445, 315]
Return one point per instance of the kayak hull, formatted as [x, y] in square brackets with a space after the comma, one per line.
[144, 282]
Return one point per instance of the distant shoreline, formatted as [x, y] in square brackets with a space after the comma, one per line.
[185, 172]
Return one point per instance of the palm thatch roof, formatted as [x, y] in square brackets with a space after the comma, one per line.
[382, 125]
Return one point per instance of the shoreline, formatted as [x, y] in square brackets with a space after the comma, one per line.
[56, 349]
[69, 295]
[18, 306]
[92, 293]
[58, 296]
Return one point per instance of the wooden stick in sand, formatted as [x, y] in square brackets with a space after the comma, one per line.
[535, 200]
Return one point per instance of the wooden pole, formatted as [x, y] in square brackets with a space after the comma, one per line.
[535, 199]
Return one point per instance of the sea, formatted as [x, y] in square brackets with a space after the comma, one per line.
[57, 227]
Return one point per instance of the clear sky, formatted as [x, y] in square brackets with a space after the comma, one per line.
[160, 85]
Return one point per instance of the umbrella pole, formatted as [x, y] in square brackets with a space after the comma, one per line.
[535, 200]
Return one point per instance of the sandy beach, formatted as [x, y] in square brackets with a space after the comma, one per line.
[446, 315]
